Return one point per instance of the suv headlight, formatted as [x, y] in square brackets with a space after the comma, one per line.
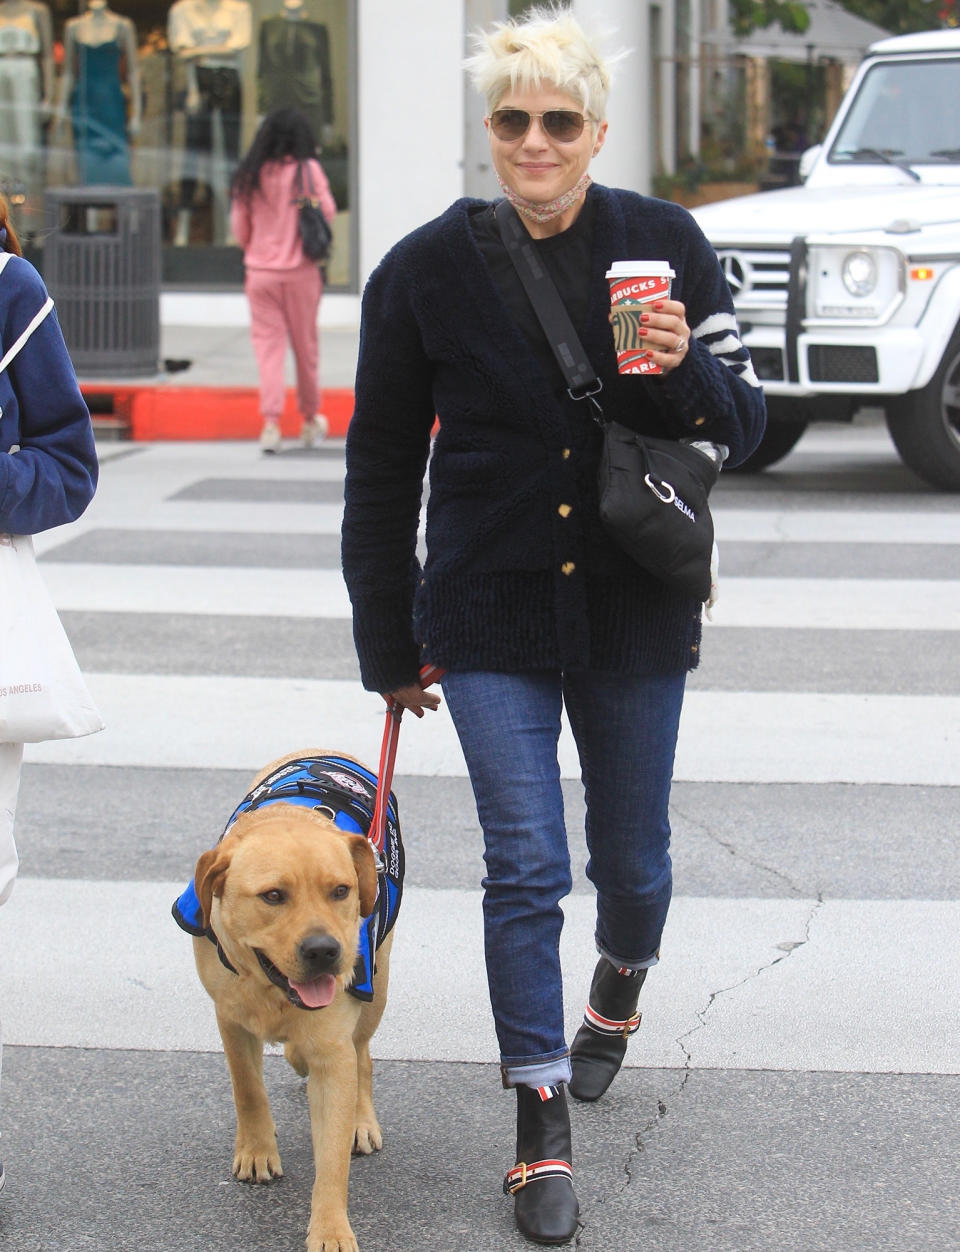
[854, 284]
[859, 273]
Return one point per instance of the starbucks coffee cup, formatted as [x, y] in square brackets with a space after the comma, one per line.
[634, 285]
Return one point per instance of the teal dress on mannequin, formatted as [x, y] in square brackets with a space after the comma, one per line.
[98, 111]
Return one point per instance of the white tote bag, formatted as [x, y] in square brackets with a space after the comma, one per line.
[42, 692]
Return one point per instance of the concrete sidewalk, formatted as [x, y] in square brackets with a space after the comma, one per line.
[222, 356]
[207, 388]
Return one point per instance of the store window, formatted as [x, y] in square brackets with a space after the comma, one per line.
[169, 96]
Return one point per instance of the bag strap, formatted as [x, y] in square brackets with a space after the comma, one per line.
[303, 169]
[581, 378]
[31, 327]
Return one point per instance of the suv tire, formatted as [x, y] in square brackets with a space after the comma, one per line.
[925, 424]
[784, 429]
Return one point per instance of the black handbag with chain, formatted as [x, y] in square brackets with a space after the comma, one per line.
[315, 233]
[653, 492]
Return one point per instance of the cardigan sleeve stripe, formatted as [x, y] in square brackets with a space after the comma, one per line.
[719, 334]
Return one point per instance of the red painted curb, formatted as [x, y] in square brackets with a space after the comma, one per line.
[155, 412]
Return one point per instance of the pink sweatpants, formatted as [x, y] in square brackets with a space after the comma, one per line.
[284, 305]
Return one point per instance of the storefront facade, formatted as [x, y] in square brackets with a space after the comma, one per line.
[144, 93]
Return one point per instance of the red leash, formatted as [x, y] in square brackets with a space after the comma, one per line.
[388, 757]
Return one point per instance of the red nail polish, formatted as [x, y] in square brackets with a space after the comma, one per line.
[644, 317]
[658, 305]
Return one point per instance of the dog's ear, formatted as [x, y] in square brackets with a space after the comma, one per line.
[365, 861]
[209, 875]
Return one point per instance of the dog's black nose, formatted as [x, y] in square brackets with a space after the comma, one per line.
[319, 952]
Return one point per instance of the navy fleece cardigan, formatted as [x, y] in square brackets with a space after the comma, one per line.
[51, 480]
[519, 573]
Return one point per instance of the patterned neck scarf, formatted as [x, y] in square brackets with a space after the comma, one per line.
[546, 211]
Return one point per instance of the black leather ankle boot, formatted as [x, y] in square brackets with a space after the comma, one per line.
[541, 1182]
[610, 1019]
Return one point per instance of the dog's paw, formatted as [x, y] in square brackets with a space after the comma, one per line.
[332, 1239]
[256, 1164]
[367, 1138]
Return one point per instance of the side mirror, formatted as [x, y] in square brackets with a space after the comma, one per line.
[808, 160]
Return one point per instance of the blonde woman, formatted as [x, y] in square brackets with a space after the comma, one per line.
[523, 600]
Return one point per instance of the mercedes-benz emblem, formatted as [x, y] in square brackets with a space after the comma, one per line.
[737, 271]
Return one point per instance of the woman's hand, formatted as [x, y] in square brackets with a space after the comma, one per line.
[665, 333]
[414, 698]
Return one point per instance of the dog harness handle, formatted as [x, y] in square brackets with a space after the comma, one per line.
[388, 757]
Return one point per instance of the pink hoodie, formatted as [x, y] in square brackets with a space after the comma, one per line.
[265, 226]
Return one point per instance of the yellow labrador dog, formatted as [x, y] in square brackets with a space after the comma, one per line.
[284, 897]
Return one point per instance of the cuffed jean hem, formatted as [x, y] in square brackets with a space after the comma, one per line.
[623, 962]
[540, 1073]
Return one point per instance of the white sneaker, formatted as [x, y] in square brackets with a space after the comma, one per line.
[270, 438]
[314, 430]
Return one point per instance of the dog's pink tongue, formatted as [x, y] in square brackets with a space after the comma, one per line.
[317, 993]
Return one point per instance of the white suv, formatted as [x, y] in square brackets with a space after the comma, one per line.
[847, 288]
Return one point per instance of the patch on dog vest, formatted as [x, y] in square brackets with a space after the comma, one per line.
[346, 793]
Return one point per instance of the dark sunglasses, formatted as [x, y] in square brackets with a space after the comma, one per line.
[563, 125]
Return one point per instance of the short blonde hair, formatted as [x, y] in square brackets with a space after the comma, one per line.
[547, 45]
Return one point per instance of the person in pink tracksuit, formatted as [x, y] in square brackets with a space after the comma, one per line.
[283, 285]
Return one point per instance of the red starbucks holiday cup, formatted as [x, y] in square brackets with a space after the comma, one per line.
[633, 286]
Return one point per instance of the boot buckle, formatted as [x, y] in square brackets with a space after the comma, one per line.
[601, 1025]
[516, 1179]
[631, 1026]
[522, 1174]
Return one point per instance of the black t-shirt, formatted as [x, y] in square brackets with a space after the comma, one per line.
[567, 259]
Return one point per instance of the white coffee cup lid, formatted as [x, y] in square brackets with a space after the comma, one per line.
[648, 269]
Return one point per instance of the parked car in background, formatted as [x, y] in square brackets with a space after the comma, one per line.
[847, 288]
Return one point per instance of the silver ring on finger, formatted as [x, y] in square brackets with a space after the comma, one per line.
[681, 346]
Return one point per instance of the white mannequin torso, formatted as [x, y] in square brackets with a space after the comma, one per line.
[26, 29]
[210, 32]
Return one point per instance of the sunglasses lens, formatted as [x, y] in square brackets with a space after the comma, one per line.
[510, 124]
[563, 125]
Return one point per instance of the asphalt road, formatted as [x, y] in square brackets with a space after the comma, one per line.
[794, 1085]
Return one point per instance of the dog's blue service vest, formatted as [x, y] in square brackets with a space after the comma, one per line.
[345, 792]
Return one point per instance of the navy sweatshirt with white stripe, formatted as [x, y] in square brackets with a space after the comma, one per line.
[51, 480]
[519, 573]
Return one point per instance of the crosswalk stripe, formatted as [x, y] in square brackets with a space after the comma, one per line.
[838, 603]
[818, 603]
[832, 526]
[793, 976]
[275, 518]
[197, 589]
[240, 723]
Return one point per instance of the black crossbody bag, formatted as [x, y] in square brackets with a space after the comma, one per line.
[315, 233]
[653, 492]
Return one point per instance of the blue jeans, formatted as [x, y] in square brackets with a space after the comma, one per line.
[625, 728]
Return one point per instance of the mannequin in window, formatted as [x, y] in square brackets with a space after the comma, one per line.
[293, 67]
[209, 36]
[26, 85]
[100, 57]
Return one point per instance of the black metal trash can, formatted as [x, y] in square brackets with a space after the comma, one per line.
[101, 263]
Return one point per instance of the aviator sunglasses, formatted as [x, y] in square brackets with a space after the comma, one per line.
[563, 125]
